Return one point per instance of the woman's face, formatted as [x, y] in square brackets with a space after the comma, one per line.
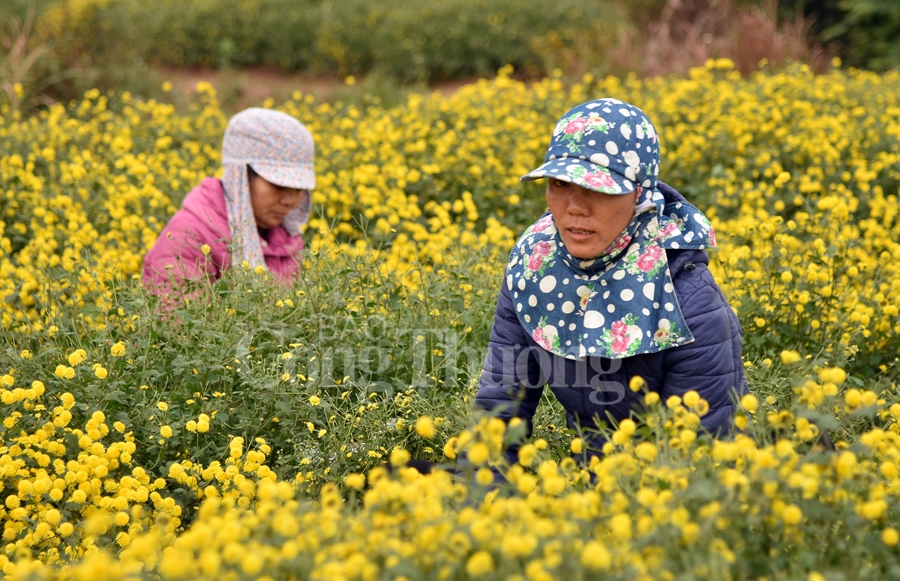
[588, 221]
[271, 203]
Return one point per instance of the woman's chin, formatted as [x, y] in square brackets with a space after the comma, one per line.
[583, 251]
[268, 224]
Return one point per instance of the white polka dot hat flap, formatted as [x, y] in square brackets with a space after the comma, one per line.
[604, 145]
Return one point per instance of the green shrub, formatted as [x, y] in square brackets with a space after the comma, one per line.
[434, 41]
[252, 355]
[407, 40]
[862, 32]
[868, 31]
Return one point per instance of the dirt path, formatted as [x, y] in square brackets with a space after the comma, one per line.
[241, 88]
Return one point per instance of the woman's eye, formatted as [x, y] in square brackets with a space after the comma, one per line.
[560, 184]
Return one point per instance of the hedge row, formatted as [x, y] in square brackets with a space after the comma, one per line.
[409, 40]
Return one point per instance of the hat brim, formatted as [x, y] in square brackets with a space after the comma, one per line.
[301, 177]
[583, 173]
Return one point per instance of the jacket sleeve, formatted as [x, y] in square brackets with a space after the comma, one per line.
[511, 381]
[711, 365]
[176, 260]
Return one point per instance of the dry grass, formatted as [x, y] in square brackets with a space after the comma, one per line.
[688, 32]
[26, 72]
[18, 57]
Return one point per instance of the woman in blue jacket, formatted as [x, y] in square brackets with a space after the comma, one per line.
[611, 283]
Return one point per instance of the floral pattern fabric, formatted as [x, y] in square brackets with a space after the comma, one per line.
[605, 145]
[622, 302]
[616, 305]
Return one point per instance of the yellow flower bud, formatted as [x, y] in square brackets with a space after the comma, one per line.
[425, 427]
[576, 446]
[790, 357]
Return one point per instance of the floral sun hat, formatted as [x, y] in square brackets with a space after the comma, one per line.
[604, 145]
[280, 149]
[623, 302]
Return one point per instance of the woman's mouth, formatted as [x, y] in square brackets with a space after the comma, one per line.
[580, 234]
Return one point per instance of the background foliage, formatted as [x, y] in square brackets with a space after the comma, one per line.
[125, 44]
[864, 30]
[407, 41]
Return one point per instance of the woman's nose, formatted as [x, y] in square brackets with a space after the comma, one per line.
[578, 203]
[290, 197]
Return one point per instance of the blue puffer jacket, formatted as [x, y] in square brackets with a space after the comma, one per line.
[516, 368]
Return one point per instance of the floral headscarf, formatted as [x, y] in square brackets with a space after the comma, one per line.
[623, 302]
[280, 149]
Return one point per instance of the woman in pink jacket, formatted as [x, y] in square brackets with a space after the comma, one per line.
[256, 213]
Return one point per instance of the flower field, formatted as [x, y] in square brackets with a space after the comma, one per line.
[260, 431]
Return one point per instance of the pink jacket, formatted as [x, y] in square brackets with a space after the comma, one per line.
[203, 219]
